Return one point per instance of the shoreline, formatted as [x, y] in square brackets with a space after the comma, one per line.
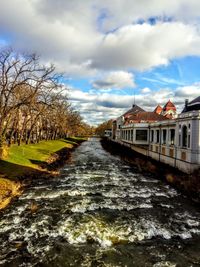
[10, 188]
[8, 191]
[188, 184]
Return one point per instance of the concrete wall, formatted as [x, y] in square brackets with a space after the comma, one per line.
[182, 165]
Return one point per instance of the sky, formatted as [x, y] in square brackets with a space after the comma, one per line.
[112, 53]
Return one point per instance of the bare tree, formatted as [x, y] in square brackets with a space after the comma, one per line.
[21, 78]
[32, 105]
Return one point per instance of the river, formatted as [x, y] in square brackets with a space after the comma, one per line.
[102, 212]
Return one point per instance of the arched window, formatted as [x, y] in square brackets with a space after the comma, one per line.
[184, 136]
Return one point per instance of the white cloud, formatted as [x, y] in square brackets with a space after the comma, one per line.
[69, 33]
[125, 11]
[188, 91]
[116, 79]
[94, 37]
[145, 90]
[142, 47]
[97, 108]
[63, 37]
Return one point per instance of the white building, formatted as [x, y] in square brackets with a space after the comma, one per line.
[175, 142]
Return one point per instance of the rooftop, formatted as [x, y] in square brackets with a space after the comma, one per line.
[193, 105]
[134, 110]
[169, 106]
[146, 117]
[158, 109]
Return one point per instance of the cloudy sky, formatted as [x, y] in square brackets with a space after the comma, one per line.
[112, 50]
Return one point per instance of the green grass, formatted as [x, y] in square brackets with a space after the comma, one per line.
[23, 154]
[23, 159]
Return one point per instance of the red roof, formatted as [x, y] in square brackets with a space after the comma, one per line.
[169, 116]
[135, 109]
[158, 109]
[169, 106]
[145, 117]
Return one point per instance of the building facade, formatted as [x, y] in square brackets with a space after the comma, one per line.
[174, 141]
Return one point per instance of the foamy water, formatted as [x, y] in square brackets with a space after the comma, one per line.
[100, 212]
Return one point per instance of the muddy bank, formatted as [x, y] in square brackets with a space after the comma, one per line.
[8, 190]
[12, 188]
[189, 184]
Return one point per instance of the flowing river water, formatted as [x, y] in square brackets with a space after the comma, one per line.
[100, 212]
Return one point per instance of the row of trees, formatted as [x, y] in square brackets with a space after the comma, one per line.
[100, 130]
[33, 106]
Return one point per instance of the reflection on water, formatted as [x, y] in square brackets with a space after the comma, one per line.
[100, 212]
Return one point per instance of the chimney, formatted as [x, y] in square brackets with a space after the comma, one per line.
[186, 102]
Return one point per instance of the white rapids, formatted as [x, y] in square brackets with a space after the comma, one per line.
[100, 212]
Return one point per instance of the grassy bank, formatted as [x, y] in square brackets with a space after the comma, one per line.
[22, 161]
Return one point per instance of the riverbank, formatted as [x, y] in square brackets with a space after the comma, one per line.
[8, 190]
[24, 163]
[189, 184]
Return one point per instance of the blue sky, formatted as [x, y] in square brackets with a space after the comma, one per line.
[109, 53]
[179, 72]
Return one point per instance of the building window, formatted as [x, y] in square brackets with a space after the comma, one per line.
[157, 136]
[184, 136]
[188, 140]
[172, 136]
[141, 135]
[152, 136]
[131, 135]
[164, 136]
[179, 140]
